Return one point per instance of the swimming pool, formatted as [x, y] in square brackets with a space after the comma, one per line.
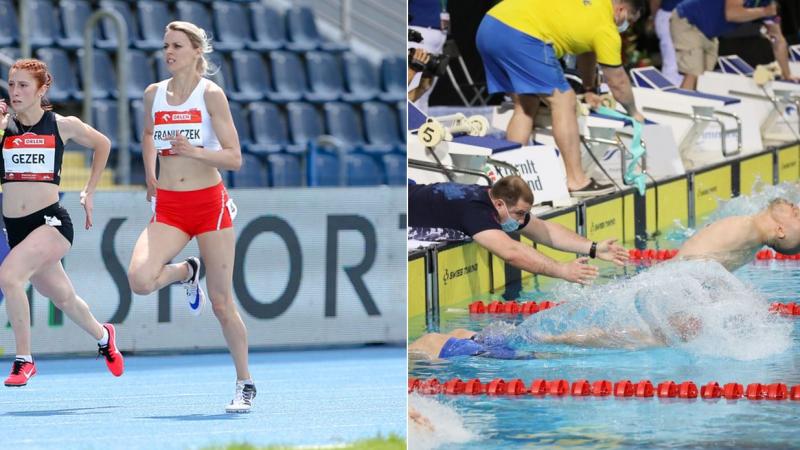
[737, 349]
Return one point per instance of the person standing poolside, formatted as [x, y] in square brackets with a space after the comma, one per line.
[188, 124]
[520, 42]
[39, 231]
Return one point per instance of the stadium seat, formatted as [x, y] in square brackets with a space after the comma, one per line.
[45, 33]
[109, 40]
[324, 77]
[8, 23]
[74, 14]
[363, 170]
[58, 62]
[251, 75]
[268, 29]
[402, 121]
[395, 165]
[303, 33]
[104, 78]
[284, 170]
[361, 79]
[288, 75]
[104, 119]
[153, 17]
[380, 127]
[324, 168]
[140, 73]
[270, 134]
[232, 25]
[197, 13]
[393, 74]
[305, 125]
[137, 123]
[343, 123]
[242, 125]
[251, 174]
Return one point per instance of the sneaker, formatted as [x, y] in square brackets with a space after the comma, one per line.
[194, 293]
[592, 189]
[21, 372]
[243, 399]
[114, 360]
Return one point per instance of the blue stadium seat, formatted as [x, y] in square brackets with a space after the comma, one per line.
[46, 31]
[104, 119]
[284, 170]
[394, 74]
[305, 125]
[324, 77]
[324, 170]
[8, 23]
[65, 86]
[153, 17]
[363, 170]
[109, 40]
[252, 173]
[140, 73]
[74, 14]
[268, 29]
[402, 121]
[104, 84]
[395, 165]
[361, 79]
[197, 13]
[270, 134]
[343, 124]
[380, 127]
[232, 25]
[303, 33]
[288, 75]
[242, 125]
[137, 122]
[251, 75]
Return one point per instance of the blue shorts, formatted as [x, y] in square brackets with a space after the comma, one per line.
[468, 347]
[518, 63]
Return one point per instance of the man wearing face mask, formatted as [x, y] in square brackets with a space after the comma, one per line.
[696, 24]
[520, 42]
[459, 211]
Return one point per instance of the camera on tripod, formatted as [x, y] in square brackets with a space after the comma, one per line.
[436, 65]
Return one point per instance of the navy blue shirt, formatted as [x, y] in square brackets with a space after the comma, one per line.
[425, 13]
[669, 5]
[450, 211]
[709, 15]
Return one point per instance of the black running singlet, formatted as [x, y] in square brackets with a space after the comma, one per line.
[32, 153]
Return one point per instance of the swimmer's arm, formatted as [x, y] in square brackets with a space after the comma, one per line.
[73, 129]
[528, 259]
[230, 156]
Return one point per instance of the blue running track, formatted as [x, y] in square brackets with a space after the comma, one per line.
[315, 397]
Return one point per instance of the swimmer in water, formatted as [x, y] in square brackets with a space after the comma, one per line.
[734, 241]
[461, 342]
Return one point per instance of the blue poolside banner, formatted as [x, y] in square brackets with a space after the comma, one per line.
[313, 267]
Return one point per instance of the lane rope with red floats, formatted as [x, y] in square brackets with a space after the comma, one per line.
[605, 388]
[528, 308]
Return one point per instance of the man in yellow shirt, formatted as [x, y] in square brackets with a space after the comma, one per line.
[520, 42]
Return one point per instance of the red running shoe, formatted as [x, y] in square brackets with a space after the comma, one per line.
[21, 372]
[114, 359]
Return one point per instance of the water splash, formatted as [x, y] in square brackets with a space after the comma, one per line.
[753, 203]
[695, 305]
[448, 425]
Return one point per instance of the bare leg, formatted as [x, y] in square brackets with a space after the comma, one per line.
[521, 125]
[566, 134]
[156, 246]
[217, 250]
[429, 344]
[53, 283]
[43, 247]
[689, 82]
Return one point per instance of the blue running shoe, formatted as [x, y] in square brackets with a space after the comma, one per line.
[194, 293]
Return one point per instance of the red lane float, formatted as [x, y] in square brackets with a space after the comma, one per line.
[605, 388]
[651, 254]
[509, 307]
[787, 309]
[767, 254]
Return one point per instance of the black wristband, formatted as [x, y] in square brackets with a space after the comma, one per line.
[593, 250]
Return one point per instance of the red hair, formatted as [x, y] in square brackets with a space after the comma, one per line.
[39, 72]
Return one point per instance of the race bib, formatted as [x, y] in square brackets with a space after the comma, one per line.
[168, 124]
[29, 157]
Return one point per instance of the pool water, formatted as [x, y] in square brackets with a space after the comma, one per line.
[740, 341]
